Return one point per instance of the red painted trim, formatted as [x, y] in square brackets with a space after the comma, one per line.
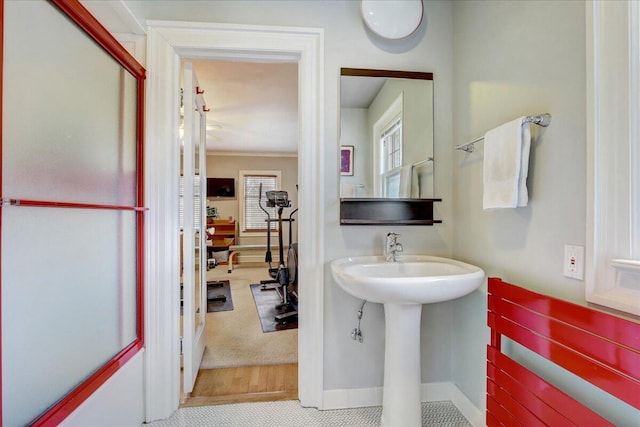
[85, 20]
[622, 359]
[603, 376]
[140, 202]
[491, 421]
[502, 416]
[596, 346]
[140, 141]
[141, 284]
[67, 405]
[57, 413]
[496, 339]
[512, 406]
[528, 391]
[597, 322]
[49, 204]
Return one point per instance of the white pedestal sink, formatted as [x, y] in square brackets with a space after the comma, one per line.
[403, 287]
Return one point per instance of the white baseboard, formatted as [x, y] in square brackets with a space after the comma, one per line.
[431, 392]
[473, 414]
[351, 398]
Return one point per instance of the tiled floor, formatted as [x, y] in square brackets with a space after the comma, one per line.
[290, 414]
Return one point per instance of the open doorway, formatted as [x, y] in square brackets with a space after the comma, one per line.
[251, 135]
[167, 43]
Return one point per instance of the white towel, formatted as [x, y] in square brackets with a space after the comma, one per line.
[409, 187]
[506, 165]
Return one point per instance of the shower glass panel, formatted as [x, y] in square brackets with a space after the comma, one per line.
[82, 146]
[71, 216]
[59, 278]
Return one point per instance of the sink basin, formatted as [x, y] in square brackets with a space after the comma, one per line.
[418, 279]
[403, 287]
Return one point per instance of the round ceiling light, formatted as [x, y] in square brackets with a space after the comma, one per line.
[392, 19]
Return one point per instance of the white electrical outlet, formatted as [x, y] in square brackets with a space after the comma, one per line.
[574, 262]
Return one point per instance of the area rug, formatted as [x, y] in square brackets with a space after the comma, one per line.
[235, 338]
[266, 302]
[219, 296]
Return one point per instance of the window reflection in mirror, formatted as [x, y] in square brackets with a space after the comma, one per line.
[387, 116]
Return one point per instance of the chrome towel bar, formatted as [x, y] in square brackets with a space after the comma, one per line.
[543, 120]
[428, 159]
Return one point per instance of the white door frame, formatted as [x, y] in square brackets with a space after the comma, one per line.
[167, 43]
[193, 336]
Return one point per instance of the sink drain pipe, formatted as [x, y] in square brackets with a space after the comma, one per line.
[356, 334]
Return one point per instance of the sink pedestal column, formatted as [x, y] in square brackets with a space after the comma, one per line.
[401, 400]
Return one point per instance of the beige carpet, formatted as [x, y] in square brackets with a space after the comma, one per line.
[235, 338]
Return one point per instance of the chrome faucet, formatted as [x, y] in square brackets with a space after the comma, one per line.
[392, 247]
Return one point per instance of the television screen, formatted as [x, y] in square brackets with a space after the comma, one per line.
[221, 187]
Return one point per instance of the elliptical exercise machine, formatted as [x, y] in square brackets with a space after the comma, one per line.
[284, 278]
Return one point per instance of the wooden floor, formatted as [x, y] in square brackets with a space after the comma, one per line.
[244, 384]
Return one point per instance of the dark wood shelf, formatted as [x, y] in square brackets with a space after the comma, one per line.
[378, 211]
[392, 222]
[385, 200]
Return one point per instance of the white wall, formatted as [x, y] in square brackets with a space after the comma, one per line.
[348, 44]
[353, 131]
[118, 402]
[503, 70]
[513, 59]
[229, 167]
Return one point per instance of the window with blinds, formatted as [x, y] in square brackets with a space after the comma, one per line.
[253, 218]
[392, 145]
[196, 202]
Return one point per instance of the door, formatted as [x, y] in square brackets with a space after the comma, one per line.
[194, 248]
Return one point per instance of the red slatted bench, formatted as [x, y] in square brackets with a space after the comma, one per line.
[598, 347]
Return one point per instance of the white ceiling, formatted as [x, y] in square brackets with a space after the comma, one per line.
[253, 106]
[359, 92]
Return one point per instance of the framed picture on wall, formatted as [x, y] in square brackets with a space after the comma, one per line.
[346, 160]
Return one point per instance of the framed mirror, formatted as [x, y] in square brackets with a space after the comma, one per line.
[386, 134]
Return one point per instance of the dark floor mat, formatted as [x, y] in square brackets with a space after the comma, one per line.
[266, 302]
[219, 296]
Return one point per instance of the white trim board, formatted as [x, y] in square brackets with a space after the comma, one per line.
[612, 276]
[115, 15]
[167, 43]
[431, 392]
